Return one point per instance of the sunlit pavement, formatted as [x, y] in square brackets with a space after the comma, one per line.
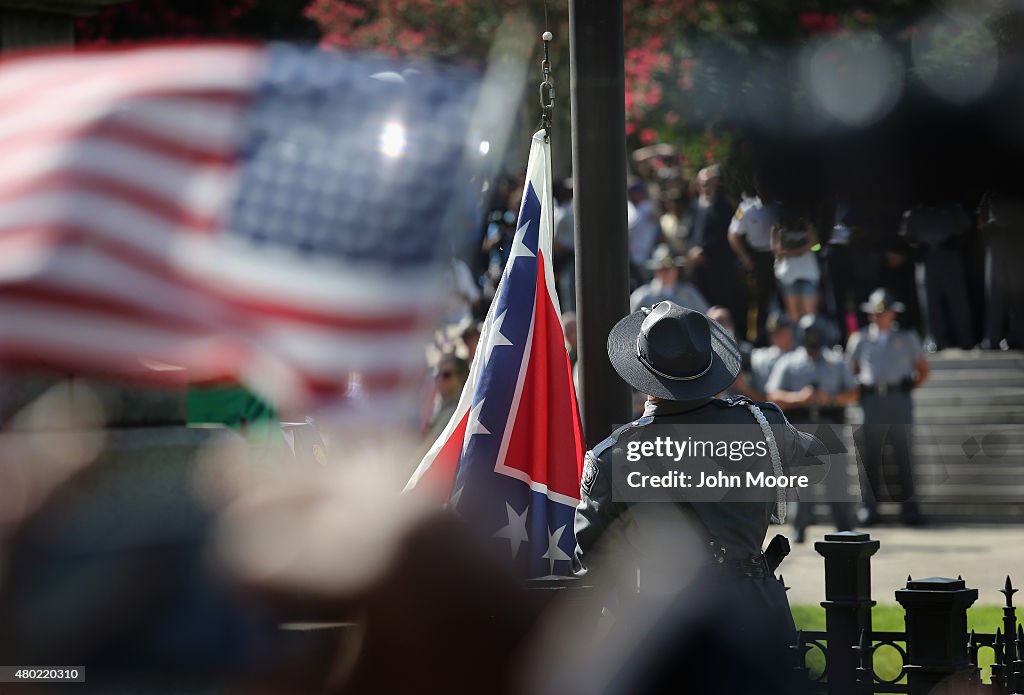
[983, 555]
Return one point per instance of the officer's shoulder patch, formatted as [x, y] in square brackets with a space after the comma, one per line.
[610, 441]
[590, 470]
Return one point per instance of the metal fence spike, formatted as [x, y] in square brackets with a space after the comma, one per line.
[1008, 591]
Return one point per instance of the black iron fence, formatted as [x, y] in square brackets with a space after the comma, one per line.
[939, 656]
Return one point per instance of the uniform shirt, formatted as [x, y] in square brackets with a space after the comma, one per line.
[644, 229]
[762, 361]
[883, 357]
[797, 369]
[682, 293]
[753, 220]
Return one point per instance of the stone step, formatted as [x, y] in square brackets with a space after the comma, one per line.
[974, 420]
[975, 378]
[956, 434]
[969, 416]
[958, 396]
[926, 450]
[975, 360]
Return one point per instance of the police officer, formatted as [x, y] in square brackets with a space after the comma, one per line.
[668, 283]
[681, 359]
[764, 359]
[813, 385]
[889, 364]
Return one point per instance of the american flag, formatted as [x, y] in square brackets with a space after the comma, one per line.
[510, 459]
[265, 213]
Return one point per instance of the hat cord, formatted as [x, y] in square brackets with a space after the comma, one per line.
[644, 362]
[779, 517]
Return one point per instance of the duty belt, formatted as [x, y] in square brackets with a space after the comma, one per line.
[751, 567]
[886, 389]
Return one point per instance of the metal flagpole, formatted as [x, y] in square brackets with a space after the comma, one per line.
[597, 83]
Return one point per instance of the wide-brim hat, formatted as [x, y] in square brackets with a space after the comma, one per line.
[882, 300]
[664, 258]
[674, 353]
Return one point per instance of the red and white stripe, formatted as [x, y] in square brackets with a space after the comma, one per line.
[118, 171]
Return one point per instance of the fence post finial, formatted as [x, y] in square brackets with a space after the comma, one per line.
[936, 616]
[847, 606]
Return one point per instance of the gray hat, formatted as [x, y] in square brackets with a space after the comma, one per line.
[882, 300]
[664, 258]
[777, 320]
[812, 331]
[674, 353]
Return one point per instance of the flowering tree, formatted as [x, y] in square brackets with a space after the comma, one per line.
[668, 76]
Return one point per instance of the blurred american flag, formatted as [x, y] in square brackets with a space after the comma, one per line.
[268, 214]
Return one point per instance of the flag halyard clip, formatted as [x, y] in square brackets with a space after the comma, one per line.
[547, 89]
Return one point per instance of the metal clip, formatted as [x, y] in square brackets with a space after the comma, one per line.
[547, 89]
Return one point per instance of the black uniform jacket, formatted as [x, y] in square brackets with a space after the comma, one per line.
[737, 528]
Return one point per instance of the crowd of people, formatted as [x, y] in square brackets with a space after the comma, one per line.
[793, 287]
[713, 242]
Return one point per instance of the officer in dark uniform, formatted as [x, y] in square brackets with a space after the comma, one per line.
[681, 359]
[813, 385]
[889, 364]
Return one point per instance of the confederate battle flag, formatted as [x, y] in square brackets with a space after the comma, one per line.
[509, 460]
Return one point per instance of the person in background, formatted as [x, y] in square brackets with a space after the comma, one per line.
[763, 359]
[751, 239]
[469, 336]
[813, 385]
[644, 229]
[450, 377]
[713, 266]
[889, 363]
[571, 345]
[564, 260]
[852, 262]
[939, 229]
[667, 283]
[672, 228]
[796, 265]
[569, 331]
[1001, 222]
[723, 317]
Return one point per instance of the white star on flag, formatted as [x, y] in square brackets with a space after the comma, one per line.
[518, 247]
[554, 553]
[515, 531]
[473, 425]
[494, 337]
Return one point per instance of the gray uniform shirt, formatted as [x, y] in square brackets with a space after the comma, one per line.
[762, 361]
[682, 293]
[797, 369]
[883, 358]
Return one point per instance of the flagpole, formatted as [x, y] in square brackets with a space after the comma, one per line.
[597, 83]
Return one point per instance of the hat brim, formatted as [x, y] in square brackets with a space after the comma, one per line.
[725, 363]
[869, 308]
[658, 265]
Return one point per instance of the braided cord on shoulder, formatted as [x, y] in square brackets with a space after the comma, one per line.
[773, 450]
